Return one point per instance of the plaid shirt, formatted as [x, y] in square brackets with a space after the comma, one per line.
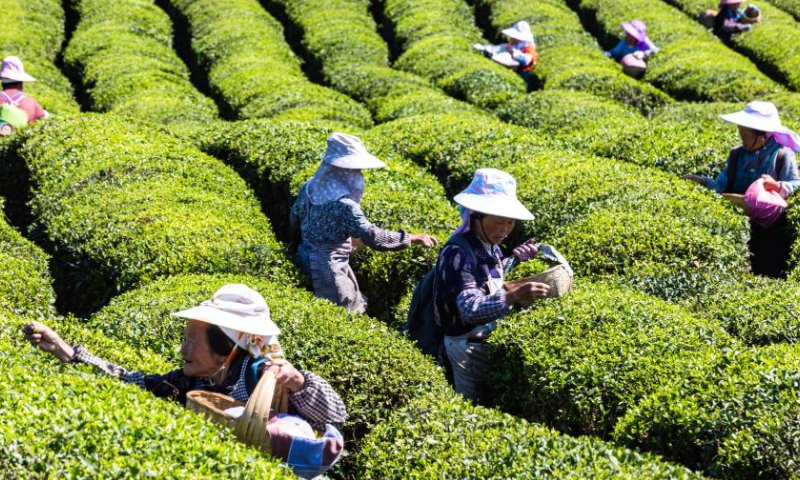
[461, 296]
[316, 402]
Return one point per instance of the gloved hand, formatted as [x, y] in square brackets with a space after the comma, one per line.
[639, 54]
[526, 251]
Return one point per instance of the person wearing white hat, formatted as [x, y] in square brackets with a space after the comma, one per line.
[519, 52]
[229, 342]
[468, 292]
[767, 153]
[328, 215]
[13, 77]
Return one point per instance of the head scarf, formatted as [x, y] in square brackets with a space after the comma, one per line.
[787, 138]
[331, 183]
[465, 217]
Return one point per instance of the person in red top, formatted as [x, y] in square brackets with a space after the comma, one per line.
[13, 76]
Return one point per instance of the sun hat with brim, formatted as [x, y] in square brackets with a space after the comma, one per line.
[633, 29]
[348, 151]
[520, 31]
[493, 192]
[11, 71]
[242, 314]
[758, 115]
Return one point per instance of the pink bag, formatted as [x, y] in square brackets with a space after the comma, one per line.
[764, 207]
[632, 66]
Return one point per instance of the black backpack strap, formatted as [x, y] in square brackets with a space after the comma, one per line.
[731, 169]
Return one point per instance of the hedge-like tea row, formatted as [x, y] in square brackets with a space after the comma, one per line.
[569, 58]
[121, 51]
[790, 6]
[738, 420]
[371, 366]
[24, 278]
[436, 38]
[757, 310]
[342, 37]
[120, 202]
[445, 437]
[277, 158]
[682, 138]
[61, 422]
[692, 63]
[34, 32]
[581, 362]
[773, 44]
[606, 216]
[252, 70]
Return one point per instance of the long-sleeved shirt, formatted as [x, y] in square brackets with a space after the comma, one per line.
[324, 252]
[750, 166]
[316, 401]
[623, 48]
[525, 53]
[461, 292]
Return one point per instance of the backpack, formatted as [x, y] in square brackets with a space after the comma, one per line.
[423, 325]
[10, 112]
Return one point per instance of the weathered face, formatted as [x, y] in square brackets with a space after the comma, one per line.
[198, 358]
[749, 136]
[494, 229]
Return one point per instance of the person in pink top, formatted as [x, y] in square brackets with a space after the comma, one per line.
[13, 76]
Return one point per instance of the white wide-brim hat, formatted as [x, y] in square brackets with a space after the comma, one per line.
[520, 31]
[761, 116]
[348, 151]
[11, 71]
[493, 192]
[241, 313]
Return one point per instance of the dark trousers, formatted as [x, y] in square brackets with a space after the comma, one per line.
[770, 248]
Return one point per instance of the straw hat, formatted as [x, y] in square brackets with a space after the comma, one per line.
[11, 71]
[347, 151]
[636, 29]
[761, 116]
[520, 31]
[493, 192]
[242, 314]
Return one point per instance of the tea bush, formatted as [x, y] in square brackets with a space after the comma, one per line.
[737, 420]
[581, 362]
[61, 422]
[773, 44]
[34, 32]
[436, 39]
[790, 6]
[692, 63]
[118, 202]
[569, 58]
[757, 310]
[24, 277]
[342, 38]
[253, 70]
[121, 51]
[277, 158]
[445, 437]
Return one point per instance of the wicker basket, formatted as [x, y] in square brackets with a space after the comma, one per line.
[558, 278]
[251, 427]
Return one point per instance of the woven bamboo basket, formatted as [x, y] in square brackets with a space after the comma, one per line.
[251, 427]
[558, 278]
